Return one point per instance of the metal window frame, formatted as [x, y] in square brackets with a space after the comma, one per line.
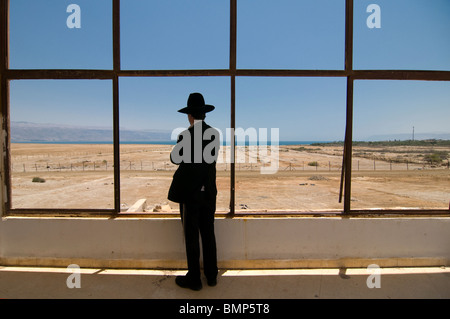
[7, 74]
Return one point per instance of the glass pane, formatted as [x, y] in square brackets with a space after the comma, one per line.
[304, 173]
[54, 34]
[175, 34]
[291, 34]
[401, 149]
[402, 34]
[148, 118]
[61, 144]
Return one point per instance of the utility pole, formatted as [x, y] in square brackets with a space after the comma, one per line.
[413, 134]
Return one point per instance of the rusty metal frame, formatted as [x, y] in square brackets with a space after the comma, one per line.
[4, 105]
[346, 176]
[116, 69]
[232, 72]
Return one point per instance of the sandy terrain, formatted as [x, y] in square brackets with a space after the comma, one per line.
[308, 178]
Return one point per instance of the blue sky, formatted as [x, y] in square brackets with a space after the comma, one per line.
[282, 34]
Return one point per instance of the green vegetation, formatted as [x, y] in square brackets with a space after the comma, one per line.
[426, 152]
[431, 142]
[305, 149]
[435, 158]
[38, 180]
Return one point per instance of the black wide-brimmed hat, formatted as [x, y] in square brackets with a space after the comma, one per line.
[196, 104]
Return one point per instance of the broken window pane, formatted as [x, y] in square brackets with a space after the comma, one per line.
[61, 144]
[401, 145]
[299, 168]
[175, 34]
[57, 34]
[149, 121]
[401, 35]
[291, 34]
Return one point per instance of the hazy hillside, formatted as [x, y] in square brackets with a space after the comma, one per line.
[22, 132]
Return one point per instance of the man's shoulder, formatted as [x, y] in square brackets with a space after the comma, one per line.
[206, 129]
[206, 126]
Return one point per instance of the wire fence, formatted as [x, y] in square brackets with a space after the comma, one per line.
[319, 165]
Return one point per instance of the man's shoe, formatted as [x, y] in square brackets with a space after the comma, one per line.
[212, 281]
[185, 282]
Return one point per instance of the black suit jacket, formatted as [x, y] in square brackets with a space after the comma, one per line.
[196, 155]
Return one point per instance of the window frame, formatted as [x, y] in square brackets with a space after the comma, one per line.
[7, 74]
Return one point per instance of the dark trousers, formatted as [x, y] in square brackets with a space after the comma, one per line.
[197, 217]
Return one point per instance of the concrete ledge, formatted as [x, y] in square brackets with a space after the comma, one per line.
[93, 263]
[227, 264]
[243, 243]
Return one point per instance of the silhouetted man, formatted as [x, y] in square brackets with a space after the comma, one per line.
[194, 187]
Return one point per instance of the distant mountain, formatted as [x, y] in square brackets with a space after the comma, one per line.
[27, 132]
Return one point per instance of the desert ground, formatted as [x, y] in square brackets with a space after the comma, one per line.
[305, 178]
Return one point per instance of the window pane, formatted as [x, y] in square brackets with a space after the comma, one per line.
[291, 34]
[400, 159]
[305, 175]
[61, 144]
[175, 34]
[148, 116]
[412, 34]
[41, 37]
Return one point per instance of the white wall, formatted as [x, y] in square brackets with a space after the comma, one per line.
[253, 242]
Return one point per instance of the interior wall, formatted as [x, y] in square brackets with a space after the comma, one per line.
[242, 243]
